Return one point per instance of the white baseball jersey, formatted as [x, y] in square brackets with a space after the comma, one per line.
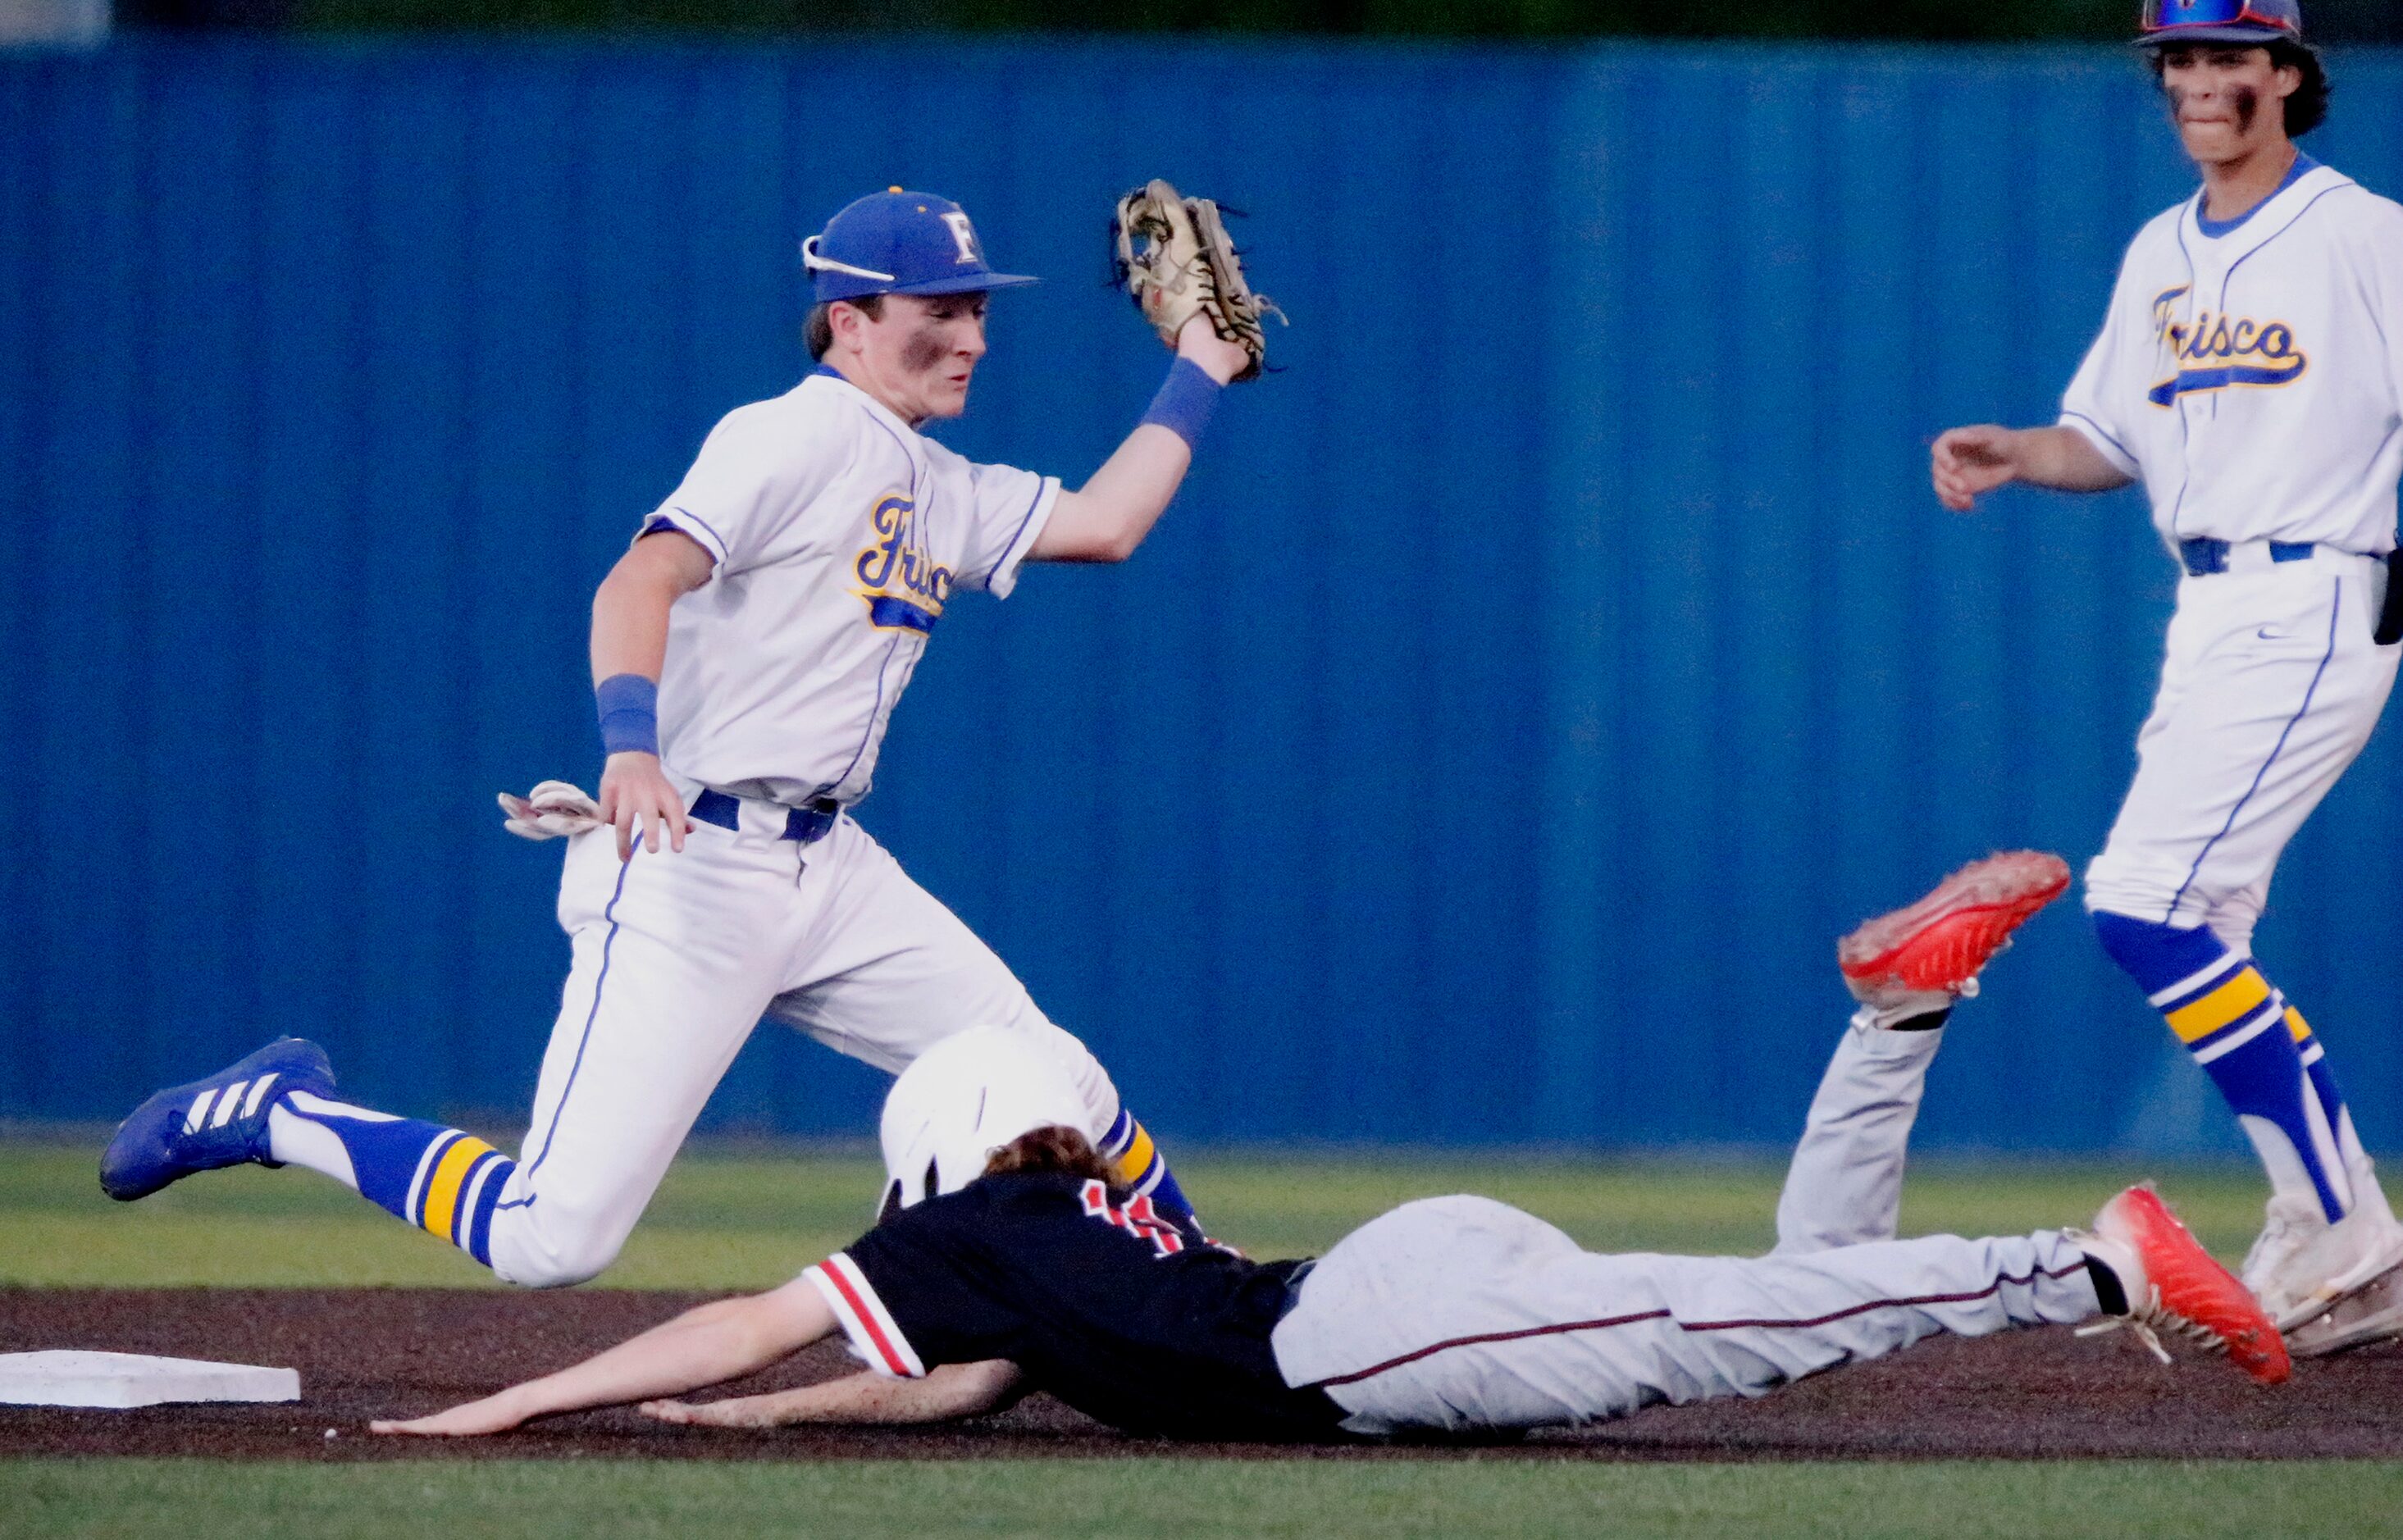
[839, 534]
[2251, 372]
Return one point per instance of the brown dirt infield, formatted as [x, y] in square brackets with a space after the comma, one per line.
[364, 1354]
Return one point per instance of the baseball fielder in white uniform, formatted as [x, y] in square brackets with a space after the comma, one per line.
[748, 651]
[1447, 1315]
[2250, 374]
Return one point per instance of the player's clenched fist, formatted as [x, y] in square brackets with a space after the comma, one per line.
[639, 801]
[1971, 460]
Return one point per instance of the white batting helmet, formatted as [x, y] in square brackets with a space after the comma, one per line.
[965, 1097]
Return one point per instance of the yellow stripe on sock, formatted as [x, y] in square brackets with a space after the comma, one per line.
[2296, 1028]
[1137, 1158]
[442, 1187]
[2225, 1003]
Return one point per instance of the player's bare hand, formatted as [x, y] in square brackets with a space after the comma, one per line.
[1218, 358]
[493, 1414]
[745, 1411]
[640, 803]
[1969, 462]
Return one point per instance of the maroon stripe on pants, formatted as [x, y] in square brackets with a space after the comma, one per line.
[1564, 1328]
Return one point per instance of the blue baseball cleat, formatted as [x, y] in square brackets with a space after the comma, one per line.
[219, 1121]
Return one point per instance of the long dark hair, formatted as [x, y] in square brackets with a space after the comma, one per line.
[2307, 109]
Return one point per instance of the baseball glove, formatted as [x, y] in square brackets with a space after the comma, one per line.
[1186, 266]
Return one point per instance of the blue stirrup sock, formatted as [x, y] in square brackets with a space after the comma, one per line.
[444, 1182]
[2255, 1046]
[1142, 1169]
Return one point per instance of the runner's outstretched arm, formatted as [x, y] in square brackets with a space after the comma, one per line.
[724, 1339]
[947, 1391]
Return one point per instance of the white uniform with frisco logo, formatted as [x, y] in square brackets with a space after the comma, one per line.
[2251, 374]
[839, 534]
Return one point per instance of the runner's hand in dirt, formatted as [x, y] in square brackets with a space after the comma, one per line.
[493, 1414]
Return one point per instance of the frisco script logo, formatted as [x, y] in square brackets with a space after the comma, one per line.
[2216, 351]
[904, 588]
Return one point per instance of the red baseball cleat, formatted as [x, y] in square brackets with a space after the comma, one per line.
[2171, 1283]
[1929, 954]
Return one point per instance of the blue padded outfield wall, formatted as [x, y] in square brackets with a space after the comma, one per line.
[1539, 673]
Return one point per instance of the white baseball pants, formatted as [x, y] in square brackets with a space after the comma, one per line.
[676, 956]
[1457, 1314]
[2269, 689]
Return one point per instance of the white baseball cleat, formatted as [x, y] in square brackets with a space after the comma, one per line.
[2329, 1266]
[2287, 1226]
[2371, 1313]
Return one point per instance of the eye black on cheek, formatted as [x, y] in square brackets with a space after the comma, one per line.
[923, 350]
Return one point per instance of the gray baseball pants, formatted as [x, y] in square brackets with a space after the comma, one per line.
[1458, 1313]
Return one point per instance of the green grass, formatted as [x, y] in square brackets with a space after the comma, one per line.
[748, 1220]
[1196, 1499]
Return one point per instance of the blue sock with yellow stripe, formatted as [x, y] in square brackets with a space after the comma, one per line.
[444, 1182]
[1142, 1169]
[2251, 1042]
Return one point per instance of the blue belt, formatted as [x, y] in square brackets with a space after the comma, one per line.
[2204, 555]
[802, 826]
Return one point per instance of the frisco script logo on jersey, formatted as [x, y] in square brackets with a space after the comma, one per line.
[2214, 352]
[905, 588]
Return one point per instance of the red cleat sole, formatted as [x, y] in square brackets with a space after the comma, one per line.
[1941, 942]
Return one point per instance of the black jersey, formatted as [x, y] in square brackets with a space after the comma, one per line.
[1115, 1310]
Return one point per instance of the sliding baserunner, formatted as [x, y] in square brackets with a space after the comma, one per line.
[1447, 1315]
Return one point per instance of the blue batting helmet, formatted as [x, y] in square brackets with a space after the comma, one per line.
[2255, 21]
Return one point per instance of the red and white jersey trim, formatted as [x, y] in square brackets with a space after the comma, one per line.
[865, 1320]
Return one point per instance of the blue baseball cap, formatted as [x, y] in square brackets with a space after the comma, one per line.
[898, 241]
[2253, 22]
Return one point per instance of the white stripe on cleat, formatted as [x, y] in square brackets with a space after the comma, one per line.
[258, 1091]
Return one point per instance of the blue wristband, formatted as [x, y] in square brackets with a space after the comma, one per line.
[630, 713]
[1186, 400]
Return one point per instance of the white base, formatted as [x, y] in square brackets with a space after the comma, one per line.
[71, 1379]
